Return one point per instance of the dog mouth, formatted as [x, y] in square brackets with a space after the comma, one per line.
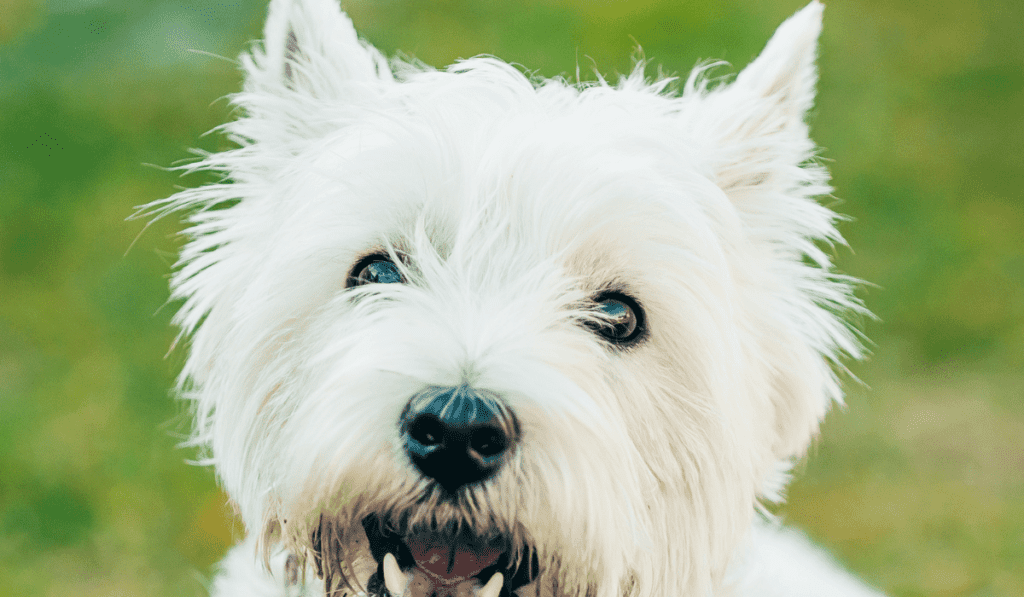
[442, 563]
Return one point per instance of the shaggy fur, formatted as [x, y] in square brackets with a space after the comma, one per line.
[511, 205]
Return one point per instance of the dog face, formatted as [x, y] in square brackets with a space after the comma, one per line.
[482, 323]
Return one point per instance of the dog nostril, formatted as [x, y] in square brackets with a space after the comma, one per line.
[427, 430]
[457, 436]
[488, 441]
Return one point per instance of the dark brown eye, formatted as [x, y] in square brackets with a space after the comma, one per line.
[622, 318]
[375, 269]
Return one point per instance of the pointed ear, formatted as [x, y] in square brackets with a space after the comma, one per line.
[763, 148]
[759, 152]
[311, 47]
[755, 126]
[784, 75]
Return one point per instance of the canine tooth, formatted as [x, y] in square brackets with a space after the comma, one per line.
[394, 579]
[493, 586]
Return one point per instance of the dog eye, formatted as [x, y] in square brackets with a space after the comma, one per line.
[622, 318]
[375, 269]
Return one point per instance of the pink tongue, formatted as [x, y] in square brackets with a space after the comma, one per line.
[449, 564]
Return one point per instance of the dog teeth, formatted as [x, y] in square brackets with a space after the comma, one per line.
[417, 584]
[394, 579]
[493, 586]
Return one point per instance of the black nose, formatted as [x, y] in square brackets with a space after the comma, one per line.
[457, 436]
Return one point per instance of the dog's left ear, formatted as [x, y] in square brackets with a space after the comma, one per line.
[756, 124]
[760, 154]
[784, 75]
[762, 150]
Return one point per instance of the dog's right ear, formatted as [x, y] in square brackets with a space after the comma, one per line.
[310, 49]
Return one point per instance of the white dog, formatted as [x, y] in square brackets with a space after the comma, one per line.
[469, 333]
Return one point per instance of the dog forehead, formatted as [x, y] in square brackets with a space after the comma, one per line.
[497, 121]
[486, 161]
[534, 154]
[529, 186]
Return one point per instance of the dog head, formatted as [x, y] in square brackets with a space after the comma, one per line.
[570, 333]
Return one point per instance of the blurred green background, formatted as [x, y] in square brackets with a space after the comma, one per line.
[918, 485]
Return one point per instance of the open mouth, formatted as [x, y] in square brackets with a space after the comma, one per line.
[431, 563]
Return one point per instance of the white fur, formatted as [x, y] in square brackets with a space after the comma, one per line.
[515, 200]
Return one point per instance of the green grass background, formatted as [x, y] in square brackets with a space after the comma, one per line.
[918, 485]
